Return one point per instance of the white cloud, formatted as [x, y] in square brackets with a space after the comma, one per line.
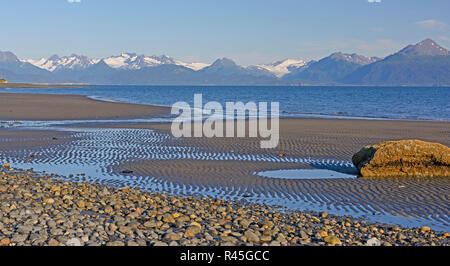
[432, 24]
[74, 1]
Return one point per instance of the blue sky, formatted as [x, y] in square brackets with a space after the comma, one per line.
[248, 31]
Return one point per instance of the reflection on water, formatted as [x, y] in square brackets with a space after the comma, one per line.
[305, 174]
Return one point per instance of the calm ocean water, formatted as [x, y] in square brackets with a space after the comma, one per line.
[409, 103]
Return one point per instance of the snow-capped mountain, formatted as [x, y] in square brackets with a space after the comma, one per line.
[122, 61]
[135, 61]
[281, 68]
[226, 66]
[426, 47]
[329, 69]
[193, 66]
[425, 64]
[354, 58]
[66, 62]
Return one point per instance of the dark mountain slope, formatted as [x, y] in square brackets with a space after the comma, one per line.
[423, 64]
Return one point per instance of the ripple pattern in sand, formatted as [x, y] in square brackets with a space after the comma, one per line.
[99, 155]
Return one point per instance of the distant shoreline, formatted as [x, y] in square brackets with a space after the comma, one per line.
[78, 85]
[19, 106]
[39, 85]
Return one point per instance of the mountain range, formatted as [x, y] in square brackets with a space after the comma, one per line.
[423, 64]
[330, 69]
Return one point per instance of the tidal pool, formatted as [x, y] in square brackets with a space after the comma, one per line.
[305, 174]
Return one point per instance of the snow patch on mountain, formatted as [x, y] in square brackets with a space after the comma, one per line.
[426, 47]
[66, 62]
[193, 66]
[134, 61]
[281, 68]
[354, 58]
[122, 61]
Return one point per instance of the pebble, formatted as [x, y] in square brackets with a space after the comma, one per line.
[49, 201]
[323, 233]
[275, 243]
[266, 238]
[251, 236]
[245, 223]
[132, 243]
[19, 238]
[173, 236]
[53, 242]
[373, 242]
[303, 235]
[425, 229]
[115, 244]
[74, 214]
[81, 204]
[5, 241]
[193, 231]
[160, 244]
[332, 240]
[168, 218]
[126, 230]
[74, 242]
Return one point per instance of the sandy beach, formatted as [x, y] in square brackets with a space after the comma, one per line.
[38, 85]
[69, 107]
[303, 137]
[224, 167]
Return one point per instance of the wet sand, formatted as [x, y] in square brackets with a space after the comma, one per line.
[228, 167]
[15, 106]
[319, 138]
[327, 143]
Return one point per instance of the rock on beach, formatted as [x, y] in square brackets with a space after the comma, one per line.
[403, 158]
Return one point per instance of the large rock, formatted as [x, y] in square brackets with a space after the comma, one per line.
[403, 158]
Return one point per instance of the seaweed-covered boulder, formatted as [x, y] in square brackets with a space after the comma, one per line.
[403, 158]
